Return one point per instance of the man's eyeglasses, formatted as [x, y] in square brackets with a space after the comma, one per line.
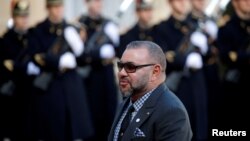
[130, 67]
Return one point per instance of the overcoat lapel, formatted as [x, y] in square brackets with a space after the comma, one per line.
[118, 116]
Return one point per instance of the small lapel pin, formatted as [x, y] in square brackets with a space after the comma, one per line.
[138, 120]
[148, 113]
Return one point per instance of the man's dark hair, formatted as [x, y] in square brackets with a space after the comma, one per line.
[154, 51]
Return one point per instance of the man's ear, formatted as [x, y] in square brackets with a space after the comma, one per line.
[156, 72]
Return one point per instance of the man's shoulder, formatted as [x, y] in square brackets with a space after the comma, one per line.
[8, 33]
[162, 25]
[40, 27]
[231, 24]
[231, 31]
[44, 22]
[169, 112]
[131, 32]
[168, 101]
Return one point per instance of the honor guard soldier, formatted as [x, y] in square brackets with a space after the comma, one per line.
[143, 29]
[234, 47]
[206, 28]
[171, 32]
[61, 109]
[185, 74]
[101, 45]
[17, 72]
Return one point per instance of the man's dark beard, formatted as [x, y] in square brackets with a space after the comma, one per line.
[132, 91]
[137, 90]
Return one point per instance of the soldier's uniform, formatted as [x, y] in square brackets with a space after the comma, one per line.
[3, 121]
[187, 82]
[169, 35]
[100, 81]
[137, 32]
[61, 110]
[209, 28]
[16, 54]
[234, 46]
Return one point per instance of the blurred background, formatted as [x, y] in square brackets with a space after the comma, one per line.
[207, 48]
[73, 9]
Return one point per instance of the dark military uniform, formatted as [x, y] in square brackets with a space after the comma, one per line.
[211, 69]
[100, 82]
[2, 133]
[234, 46]
[17, 48]
[135, 33]
[15, 83]
[169, 35]
[61, 111]
[6, 101]
[173, 35]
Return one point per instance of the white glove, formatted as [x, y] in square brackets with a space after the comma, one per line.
[74, 40]
[32, 69]
[107, 51]
[211, 28]
[67, 60]
[194, 61]
[113, 32]
[200, 40]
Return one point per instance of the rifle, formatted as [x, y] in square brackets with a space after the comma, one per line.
[94, 43]
[90, 58]
[59, 47]
[185, 47]
[98, 39]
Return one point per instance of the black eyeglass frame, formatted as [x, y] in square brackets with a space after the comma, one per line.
[121, 65]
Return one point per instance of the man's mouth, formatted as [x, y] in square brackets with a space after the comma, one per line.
[123, 83]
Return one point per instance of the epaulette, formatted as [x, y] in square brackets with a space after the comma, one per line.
[223, 20]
